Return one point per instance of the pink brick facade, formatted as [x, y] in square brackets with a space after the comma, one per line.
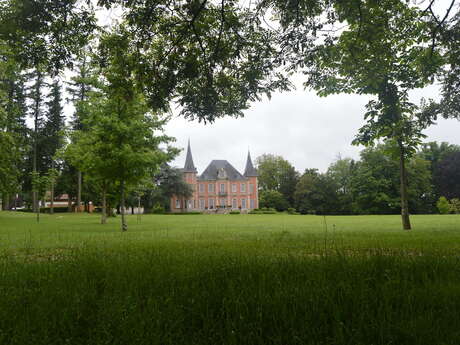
[219, 187]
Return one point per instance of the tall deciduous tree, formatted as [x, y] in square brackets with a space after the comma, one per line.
[122, 137]
[382, 50]
[277, 174]
[375, 183]
[342, 172]
[167, 182]
[316, 193]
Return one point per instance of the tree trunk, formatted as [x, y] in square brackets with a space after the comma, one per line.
[34, 169]
[77, 209]
[132, 209]
[52, 191]
[69, 203]
[124, 226]
[138, 209]
[404, 193]
[52, 198]
[5, 202]
[104, 207]
[38, 211]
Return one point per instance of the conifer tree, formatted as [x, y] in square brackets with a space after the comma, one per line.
[53, 134]
[13, 128]
[35, 94]
[79, 88]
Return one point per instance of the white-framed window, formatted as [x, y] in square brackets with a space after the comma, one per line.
[243, 203]
[251, 188]
[177, 203]
[234, 188]
[222, 187]
[234, 203]
[222, 202]
[189, 204]
[201, 188]
[211, 187]
[211, 203]
[202, 206]
[243, 187]
[252, 202]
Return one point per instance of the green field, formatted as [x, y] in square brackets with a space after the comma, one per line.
[229, 279]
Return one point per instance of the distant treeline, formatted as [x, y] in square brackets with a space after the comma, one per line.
[369, 185]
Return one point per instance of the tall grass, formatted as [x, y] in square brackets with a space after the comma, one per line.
[188, 284]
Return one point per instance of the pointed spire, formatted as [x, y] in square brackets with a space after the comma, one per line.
[189, 166]
[250, 170]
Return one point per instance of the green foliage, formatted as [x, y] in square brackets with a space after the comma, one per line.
[380, 50]
[121, 138]
[212, 58]
[455, 205]
[190, 213]
[443, 205]
[168, 181]
[235, 212]
[272, 199]
[291, 210]
[46, 32]
[277, 174]
[316, 193]
[376, 183]
[158, 209]
[447, 175]
[263, 210]
[13, 134]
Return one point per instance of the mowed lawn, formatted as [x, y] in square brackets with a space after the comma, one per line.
[229, 279]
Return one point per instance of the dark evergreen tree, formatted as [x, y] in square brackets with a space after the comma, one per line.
[14, 119]
[53, 135]
[79, 88]
[447, 176]
[36, 111]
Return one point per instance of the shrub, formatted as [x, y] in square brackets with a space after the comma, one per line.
[273, 199]
[291, 210]
[191, 213]
[256, 212]
[455, 206]
[443, 205]
[60, 209]
[158, 209]
[266, 211]
[235, 212]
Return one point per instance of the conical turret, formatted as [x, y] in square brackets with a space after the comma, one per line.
[189, 166]
[250, 171]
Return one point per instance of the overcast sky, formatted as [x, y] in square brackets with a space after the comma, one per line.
[307, 130]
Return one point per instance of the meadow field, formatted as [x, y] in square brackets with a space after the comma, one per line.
[229, 279]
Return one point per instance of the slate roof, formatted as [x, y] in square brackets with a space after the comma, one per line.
[217, 167]
[250, 170]
[189, 166]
